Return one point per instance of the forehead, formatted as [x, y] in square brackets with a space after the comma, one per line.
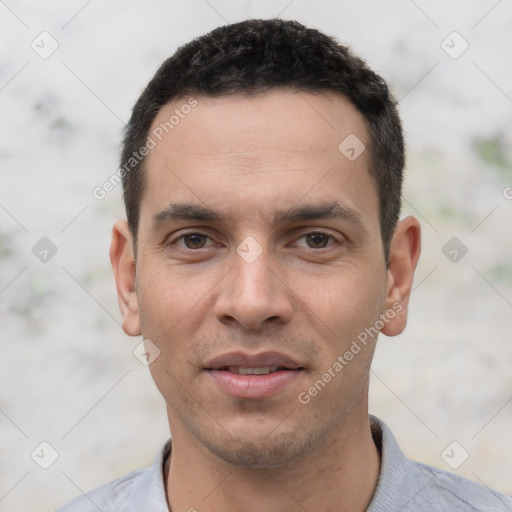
[248, 155]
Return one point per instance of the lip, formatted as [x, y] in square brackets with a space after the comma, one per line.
[252, 360]
[253, 387]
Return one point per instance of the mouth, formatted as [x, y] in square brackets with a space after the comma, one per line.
[253, 377]
[263, 370]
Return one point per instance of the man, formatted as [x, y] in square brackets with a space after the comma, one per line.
[261, 256]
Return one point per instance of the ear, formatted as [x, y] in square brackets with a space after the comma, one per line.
[123, 264]
[404, 252]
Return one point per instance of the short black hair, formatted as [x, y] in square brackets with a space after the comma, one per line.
[254, 56]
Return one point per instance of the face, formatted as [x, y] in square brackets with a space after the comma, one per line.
[259, 265]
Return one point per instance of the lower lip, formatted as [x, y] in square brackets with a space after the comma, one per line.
[253, 386]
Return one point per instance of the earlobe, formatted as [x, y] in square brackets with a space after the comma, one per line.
[123, 265]
[404, 253]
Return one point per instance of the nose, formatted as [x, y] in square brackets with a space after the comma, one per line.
[253, 295]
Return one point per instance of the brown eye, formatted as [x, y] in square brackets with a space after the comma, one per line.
[317, 240]
[194, 241]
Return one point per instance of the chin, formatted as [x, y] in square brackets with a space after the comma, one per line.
[265, 451]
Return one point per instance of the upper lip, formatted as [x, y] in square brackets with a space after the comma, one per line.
[244, 360]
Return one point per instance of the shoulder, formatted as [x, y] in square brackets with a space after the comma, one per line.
[442, 490]
[109, 497]
[409, 486]
[142, 489]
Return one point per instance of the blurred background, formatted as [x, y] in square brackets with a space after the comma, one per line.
[77, 408]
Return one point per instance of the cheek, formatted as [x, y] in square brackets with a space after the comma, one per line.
[342, 313]
[342, 304]
[168, 306]
[168, 317]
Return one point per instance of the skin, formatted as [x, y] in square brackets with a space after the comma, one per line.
[306, 297]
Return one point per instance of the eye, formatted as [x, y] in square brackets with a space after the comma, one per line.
[316, 240]
[191, 241]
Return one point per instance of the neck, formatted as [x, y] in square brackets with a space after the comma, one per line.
[341, 474]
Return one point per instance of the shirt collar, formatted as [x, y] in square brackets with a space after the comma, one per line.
[396, 471]
[151, 493]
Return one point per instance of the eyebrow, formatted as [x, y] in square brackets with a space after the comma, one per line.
[176, 212]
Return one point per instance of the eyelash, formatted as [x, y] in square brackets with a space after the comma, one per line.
[174, 240]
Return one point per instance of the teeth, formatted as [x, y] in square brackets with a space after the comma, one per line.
[253, 371]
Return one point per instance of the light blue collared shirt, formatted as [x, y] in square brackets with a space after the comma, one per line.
[403, 486]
